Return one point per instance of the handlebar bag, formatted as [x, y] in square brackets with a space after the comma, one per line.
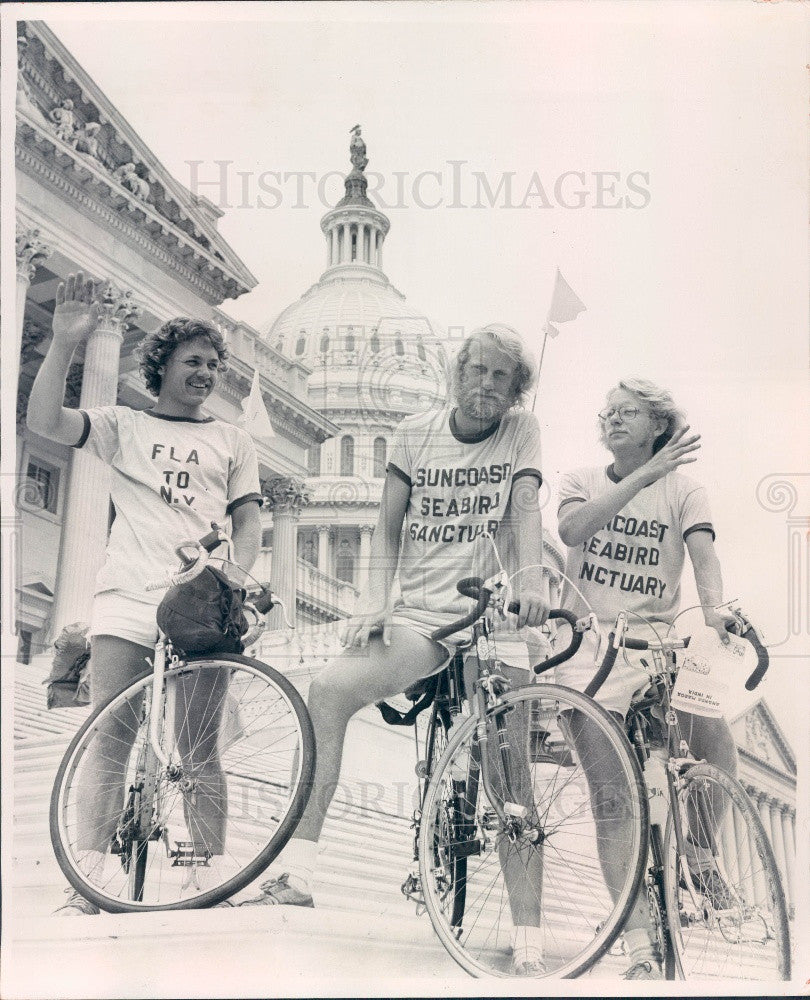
[204, 615]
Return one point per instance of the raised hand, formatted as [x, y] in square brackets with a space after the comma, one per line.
[679, 450]
[76, 314]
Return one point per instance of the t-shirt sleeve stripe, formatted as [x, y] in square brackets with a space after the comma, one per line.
[704, 526]
[530, 472]
[568, 500]
[247, 498]
[398, 472]
[85, 430]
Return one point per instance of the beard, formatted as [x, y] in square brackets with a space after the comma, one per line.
[485, 407]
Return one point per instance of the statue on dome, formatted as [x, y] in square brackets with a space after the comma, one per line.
[357, 150]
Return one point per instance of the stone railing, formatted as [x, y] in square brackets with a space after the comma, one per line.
[313, 585]
[325, 590]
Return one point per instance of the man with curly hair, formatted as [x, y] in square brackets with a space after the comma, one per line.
[457, 477]
[174, 470]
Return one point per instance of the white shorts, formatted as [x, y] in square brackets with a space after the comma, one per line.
[628, 675]
[509, 647]
[118, 614]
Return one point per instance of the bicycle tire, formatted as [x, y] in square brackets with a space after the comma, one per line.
[747, 937]
[259, 742]
[559, 819]
[437, 738]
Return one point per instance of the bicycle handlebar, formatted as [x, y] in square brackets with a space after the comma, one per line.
[749, 634]
[473, 587]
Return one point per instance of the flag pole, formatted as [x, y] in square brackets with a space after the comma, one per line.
[540, 365]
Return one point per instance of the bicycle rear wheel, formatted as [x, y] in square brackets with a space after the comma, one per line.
[543, 866]
[132, 834]
[724, 897]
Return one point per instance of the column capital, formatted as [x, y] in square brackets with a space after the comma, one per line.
[31, 251]
[366, 529]
[287, 494]
[323, 529]
[117, 307]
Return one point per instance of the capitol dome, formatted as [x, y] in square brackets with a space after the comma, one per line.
[374, 359]
[367, 348]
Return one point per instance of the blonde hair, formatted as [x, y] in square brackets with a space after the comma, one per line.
[662, 407]
[513, 345]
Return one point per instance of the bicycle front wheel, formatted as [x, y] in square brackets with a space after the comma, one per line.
[555, 858]
[724, 897]
[133, 833]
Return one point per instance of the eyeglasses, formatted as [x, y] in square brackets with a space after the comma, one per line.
[625, 412]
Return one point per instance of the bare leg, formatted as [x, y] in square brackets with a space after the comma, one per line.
[356, 678]
[614, 823]
[115, 662]
[201, 697]
[710, 740]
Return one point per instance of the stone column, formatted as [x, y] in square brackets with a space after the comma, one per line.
[285, 496]
[778, 843]
[790, 854]
[30, 252]
[746, 858]
[759, 876]
[323, 549]
[379, 250]
[366, 531]
[345, 239]
[335, 257]
[84, 526]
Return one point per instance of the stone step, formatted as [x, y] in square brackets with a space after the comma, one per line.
[261, 951]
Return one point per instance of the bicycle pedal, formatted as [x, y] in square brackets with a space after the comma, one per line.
[186, 857]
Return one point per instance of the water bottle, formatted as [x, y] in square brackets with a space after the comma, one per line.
[655, 777]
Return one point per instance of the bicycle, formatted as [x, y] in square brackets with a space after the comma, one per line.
[465, 819]
[217, 770]
[723, 914]
[504, 822]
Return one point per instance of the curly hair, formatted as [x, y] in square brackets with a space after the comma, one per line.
[512, 344]
[156, 348]
[662, 407]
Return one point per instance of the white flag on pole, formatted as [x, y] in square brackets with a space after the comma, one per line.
[254, 413]
[565, 305]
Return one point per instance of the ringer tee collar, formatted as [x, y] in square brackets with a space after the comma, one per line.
[470, 438]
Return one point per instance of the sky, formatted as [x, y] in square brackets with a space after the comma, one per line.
[655, 153]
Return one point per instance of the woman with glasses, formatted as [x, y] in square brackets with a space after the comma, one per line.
[628, 526]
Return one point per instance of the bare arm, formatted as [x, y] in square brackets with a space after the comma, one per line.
[580, 521]
[246, 534]
[383, 559]
[526, 523]
[74, 319]
[708, 579]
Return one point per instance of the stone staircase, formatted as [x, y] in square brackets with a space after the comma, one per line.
[363, 931]
[363, 938]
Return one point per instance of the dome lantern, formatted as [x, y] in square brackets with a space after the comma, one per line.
[354, 229]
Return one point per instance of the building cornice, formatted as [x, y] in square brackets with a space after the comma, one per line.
[760, 764]
[96, 195]
[118, 143]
